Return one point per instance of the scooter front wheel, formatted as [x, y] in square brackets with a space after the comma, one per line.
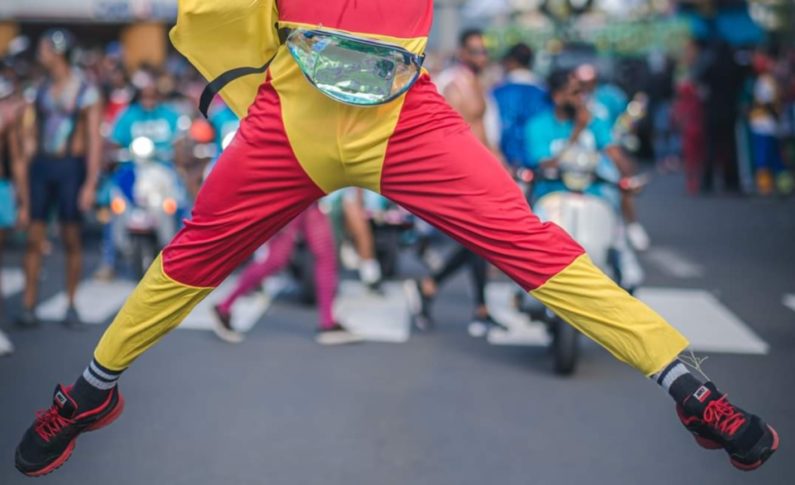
[565, 347]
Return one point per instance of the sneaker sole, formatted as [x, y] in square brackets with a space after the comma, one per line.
[67, 453]
[339, 339]
[765, 455]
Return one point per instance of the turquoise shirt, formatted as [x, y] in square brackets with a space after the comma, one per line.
[548, 135]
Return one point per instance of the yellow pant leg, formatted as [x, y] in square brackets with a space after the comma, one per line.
[157, 305]
[586, 298]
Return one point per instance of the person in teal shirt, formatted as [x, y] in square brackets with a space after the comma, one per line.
[567, 123]
[148, 117]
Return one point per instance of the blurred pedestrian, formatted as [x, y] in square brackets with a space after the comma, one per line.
[608, 102]
[660, 90]
[461, 86]
[515, 101]
[314, 226]
[64, 147]
[13, 177]
[722, 78]
[765, 125]
[688, 115]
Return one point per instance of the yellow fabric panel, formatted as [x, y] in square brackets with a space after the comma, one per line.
[219, 35]
[157, 305]
[337, 144]
[590, 301]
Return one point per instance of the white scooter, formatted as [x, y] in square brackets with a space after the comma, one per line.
[591, 221]
[144, 223]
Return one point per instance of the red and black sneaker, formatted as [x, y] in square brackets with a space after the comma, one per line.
[49, 442]
[716, 423]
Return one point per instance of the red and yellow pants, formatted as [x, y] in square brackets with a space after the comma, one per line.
[296, 145]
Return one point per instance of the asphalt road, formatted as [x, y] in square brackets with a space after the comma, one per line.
[440, 408]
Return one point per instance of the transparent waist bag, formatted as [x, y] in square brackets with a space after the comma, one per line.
[352, 70]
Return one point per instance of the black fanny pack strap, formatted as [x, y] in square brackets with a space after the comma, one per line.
[216, 85]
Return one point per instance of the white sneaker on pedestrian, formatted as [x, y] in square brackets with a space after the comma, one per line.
[638, 237]
[336, 335]
[222, 327]
[369, 271]
[6, 347]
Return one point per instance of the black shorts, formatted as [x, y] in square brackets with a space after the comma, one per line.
[56, 182]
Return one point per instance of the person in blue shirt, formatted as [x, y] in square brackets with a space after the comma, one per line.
[147, 116]
[570, 123]
[566, 123]
[514, 102]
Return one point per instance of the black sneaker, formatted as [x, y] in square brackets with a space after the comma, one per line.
[716, 423]
[50, 440]
[27, 318]
[336, 335]
[72, 319]
[481, 326]
[419, 305]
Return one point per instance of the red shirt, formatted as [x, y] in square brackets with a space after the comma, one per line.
[395, 18]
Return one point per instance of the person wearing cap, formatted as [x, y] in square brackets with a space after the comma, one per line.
[63, 146]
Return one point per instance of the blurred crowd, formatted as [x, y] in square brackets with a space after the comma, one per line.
[73, 120]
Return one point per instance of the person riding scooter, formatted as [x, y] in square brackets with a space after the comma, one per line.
[569, 125]
[146, 122]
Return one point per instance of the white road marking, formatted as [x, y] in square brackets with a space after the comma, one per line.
[12, 280]
[246, 312]
[521, 331]
[789, 302]
[705, 321]
[673, 263]
[374, 317]
[96, 301]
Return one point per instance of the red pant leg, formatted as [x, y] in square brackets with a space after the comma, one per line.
[256, 188]
[437, 169]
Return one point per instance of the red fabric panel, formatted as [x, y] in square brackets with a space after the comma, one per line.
[396, 18]
[255, 189]
[438, 170]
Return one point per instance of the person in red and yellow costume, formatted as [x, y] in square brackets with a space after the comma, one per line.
[342, 101]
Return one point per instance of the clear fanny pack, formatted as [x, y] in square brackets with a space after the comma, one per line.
[353, 70]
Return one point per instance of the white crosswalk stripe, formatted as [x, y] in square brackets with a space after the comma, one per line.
[789, 302]
[381, 318]
[96, 301]
[247, 310]
[705, 321]
[710, 326]
[12, 280]
[672, 263]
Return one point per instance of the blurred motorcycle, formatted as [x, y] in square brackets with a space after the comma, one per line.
[145, 204]
[592, 220]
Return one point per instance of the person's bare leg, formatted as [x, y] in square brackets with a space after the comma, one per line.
[70, 233]
[33, 256]
[362, 234]
[359, 229]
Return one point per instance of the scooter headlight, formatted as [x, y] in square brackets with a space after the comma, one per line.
[142, 147]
